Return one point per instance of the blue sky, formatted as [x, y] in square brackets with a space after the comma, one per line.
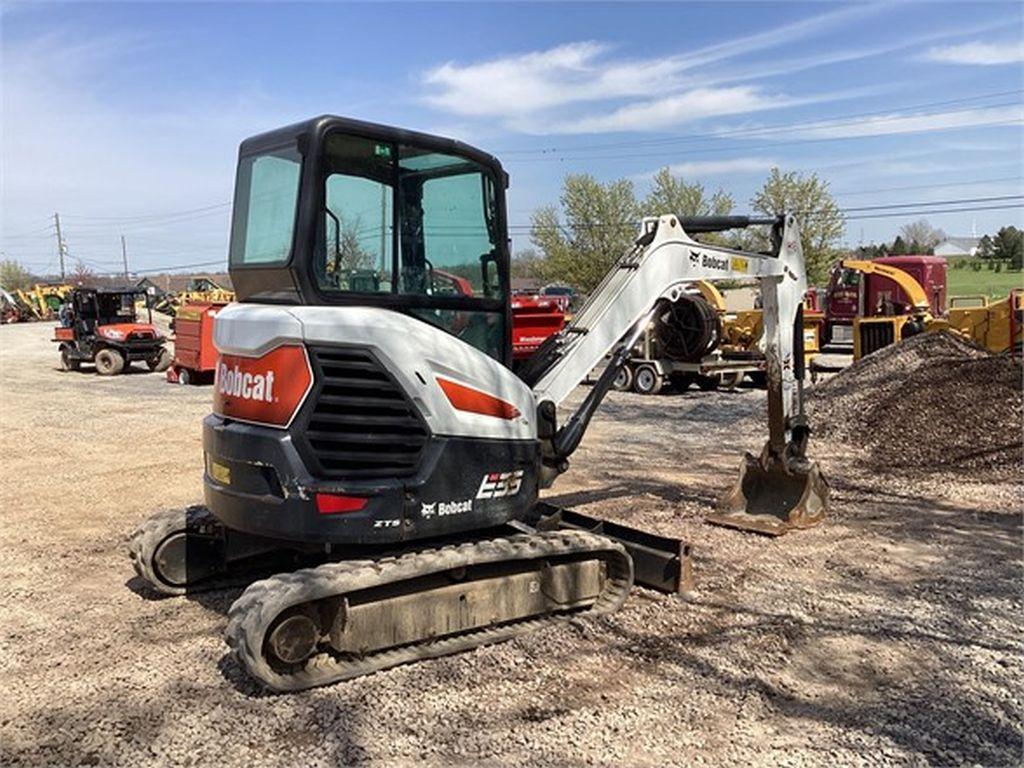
[126, 117]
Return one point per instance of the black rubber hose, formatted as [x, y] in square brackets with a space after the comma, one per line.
[687, 329]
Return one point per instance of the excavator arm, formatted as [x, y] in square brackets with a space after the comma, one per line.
[780, 484]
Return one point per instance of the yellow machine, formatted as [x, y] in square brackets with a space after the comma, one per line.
[170, 303]
[217, 296]
[742, 329]
[42, 301]
[996, 326]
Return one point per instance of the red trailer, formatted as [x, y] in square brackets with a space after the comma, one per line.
[534, 318]
[195, 357]
[882, 295]
[853, 294]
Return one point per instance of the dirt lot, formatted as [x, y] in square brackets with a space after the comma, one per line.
[893, 634]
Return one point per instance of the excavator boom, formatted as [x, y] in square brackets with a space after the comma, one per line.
[777, 490]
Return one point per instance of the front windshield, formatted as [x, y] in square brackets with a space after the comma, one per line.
[441, 207]
[401, 220]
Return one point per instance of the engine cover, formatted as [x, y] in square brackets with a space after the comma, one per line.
[359, 425]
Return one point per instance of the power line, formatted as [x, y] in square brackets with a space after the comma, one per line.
[936, 213]
[719, 150]
[151, 270]
[835, 121]
[168, 220]
[149, 215]
[963, 200]
[928, 186]
[964, 205]
[43, 232]
[914, 187]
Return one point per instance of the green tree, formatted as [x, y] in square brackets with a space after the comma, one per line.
[13, 276]
[672, 194]
[821, 222]
[986, 248]
[600, 225]
[922, 236]
[1008, 245]
[899, 247]
[526, 263]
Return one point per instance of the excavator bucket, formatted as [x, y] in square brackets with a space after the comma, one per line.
[773, 499]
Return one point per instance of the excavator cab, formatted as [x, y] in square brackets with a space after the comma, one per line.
[338, 212]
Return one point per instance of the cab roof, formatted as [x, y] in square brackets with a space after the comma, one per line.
[314, 130]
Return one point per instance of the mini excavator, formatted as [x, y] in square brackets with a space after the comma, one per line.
[367, 424]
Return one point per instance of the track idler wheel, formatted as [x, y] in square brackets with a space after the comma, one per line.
[294, 638]
[176, 549]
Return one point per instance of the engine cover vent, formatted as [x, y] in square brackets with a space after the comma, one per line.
[359, 423]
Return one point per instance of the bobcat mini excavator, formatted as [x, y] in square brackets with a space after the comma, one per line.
[367, 419]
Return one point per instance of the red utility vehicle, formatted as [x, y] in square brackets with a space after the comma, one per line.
[195, 357]
[100, 326]
[852, 294]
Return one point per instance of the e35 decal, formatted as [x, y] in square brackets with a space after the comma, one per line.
[498, 485]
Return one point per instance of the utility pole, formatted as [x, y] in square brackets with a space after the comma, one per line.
[61, 247]
[124, 255]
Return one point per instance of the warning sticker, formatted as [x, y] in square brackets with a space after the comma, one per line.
[739, 264]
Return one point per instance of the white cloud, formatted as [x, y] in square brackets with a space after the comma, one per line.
[978, 53]
[689, 106]
[522, 89]
[524, 84]
[71, 143]
[775, 66]
[671, 111]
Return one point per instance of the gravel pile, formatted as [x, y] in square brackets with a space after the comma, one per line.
[933, 403]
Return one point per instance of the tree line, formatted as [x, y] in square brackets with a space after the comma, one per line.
[594, 223]
[919, 237]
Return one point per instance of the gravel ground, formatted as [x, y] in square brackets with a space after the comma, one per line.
[893, 634]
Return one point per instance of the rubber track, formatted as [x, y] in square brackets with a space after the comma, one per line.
[250, 617]
[143, 544]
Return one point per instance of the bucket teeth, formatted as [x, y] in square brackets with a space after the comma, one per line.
[772, 498]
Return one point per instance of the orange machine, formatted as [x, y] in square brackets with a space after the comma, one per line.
[195, 357]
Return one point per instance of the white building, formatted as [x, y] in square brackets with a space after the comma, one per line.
[958, 246]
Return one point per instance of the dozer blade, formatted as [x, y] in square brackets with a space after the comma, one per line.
[773, 499]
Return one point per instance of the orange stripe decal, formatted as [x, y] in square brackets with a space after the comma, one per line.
[465, 398]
